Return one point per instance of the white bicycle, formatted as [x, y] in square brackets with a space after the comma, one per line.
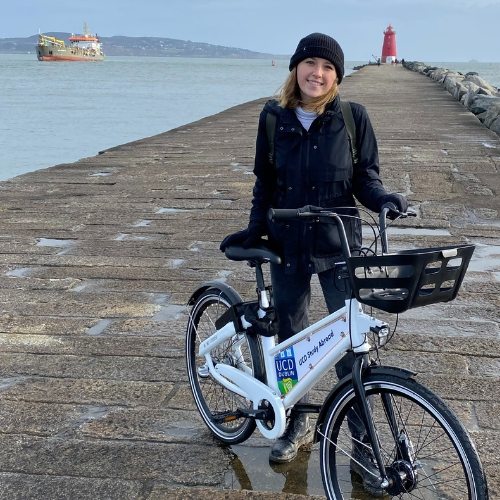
[241, 379]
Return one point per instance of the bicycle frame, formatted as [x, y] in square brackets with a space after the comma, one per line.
[320, 346]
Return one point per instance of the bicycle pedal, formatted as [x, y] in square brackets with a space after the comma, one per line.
[226, 416]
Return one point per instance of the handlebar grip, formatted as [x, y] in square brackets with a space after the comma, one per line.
[281, 214]
[391, 207]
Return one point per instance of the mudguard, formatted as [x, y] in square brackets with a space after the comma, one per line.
[372, 370]
[231, 293]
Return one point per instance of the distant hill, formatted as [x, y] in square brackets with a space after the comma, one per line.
[142, 46]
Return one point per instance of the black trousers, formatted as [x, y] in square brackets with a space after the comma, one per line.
[292, 298]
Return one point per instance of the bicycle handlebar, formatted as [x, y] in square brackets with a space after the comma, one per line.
[388, 211]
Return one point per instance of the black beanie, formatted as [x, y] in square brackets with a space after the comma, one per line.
[319, 45]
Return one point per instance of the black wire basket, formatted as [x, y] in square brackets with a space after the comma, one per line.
[411, 278]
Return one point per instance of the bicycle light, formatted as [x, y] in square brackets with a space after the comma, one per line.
[382, 333]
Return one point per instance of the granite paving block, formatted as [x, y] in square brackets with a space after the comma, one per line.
[15, 486]
[104, 367]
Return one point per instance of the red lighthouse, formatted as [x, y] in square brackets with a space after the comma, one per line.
[389, 47]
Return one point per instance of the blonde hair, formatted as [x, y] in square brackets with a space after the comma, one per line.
[288, 95]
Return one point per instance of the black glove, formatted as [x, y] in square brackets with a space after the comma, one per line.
[397, 199]
[247, 238]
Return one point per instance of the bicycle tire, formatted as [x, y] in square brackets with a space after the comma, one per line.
[445, 462]
[210, 396]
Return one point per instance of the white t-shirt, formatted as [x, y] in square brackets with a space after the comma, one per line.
[305, 117]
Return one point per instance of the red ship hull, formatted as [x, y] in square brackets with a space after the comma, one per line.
[67, 58]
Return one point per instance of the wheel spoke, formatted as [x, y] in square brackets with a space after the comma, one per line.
[211, 396]
[423, 445]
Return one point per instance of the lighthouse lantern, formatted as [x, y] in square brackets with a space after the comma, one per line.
[389, 47]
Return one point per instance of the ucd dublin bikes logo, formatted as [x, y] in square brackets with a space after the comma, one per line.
[286, 370]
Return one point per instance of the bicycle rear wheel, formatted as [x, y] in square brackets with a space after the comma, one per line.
[426, 450]
[242, 351]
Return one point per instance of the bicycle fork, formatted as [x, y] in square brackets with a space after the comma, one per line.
[360, 363]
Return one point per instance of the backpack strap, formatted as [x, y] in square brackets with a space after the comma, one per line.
[347, 115]
[346, 110]
[271, 132]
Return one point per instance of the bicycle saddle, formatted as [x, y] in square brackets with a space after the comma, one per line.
[258, 253]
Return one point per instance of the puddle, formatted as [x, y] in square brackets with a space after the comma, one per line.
[20, 273]
[99, 327]
[160, 299]
[177, 263]
[143, 223]
[487, 145]
[223, 276]
[90, 414]
[170, 313]
[170, 210]
[5, 236]
[410, 231]
[51, 242]
[194, 249]
[444, 151]
[9, 382]
[100, 174]
[250, 469]
[80, 288]
[139, 237]
[407, 147]
[485, 258]
[181, 430]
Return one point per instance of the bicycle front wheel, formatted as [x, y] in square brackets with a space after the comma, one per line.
[242, 351]
[426, 450]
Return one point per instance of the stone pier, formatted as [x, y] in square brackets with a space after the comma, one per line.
[98, 259]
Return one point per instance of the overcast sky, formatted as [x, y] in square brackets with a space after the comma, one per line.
[426, 30]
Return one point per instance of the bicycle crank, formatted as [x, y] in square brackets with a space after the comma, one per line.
[227, 416]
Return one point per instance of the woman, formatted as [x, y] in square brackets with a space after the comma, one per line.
[312, 166]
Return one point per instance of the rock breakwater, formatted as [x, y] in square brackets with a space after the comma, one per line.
[477, 95]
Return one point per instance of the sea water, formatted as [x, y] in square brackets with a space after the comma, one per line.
[59, 112]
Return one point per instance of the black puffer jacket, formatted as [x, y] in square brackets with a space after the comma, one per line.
[314, 168]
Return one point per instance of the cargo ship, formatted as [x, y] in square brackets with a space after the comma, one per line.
[84, 47]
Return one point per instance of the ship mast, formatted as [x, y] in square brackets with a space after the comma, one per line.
[86, 31]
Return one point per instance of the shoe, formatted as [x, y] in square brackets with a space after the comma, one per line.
[298, 433]
[363, 464]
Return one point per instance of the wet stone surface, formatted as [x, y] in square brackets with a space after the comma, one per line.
[99, 258]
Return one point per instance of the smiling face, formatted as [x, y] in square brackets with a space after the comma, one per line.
[315, 77]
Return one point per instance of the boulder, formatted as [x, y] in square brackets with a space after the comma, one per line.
[482, 116]
[420, 67]
[468, 97]
[450, 80]
[482, 83]
[458, 91]
[469, 85]
[438, 74]
[482, 91]
[492, 114]
[481, 103]
[495, 126]
[473, 92]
